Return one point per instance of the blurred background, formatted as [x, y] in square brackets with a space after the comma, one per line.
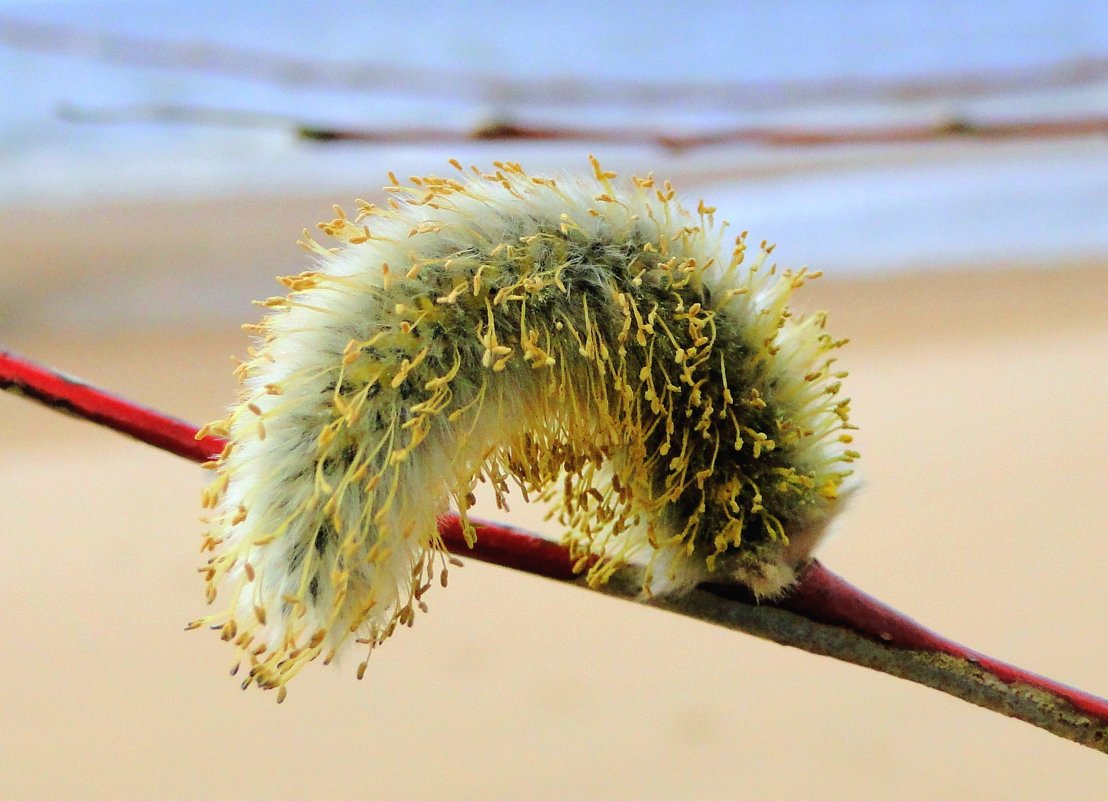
[946, 166]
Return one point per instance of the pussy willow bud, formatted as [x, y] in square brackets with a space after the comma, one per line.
[584, 339]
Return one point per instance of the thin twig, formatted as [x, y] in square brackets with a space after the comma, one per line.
[822, 614]
[72, 396]
[415, 80]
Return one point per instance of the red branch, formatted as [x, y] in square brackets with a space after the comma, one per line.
[820, 596]
[825, 597]
[73, 396]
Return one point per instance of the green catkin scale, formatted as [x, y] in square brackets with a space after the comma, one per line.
[584, 339]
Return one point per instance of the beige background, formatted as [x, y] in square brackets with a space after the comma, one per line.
[981, 399]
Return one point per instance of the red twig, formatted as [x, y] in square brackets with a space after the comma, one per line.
[823, 613]
[825, 597]
[73, 396]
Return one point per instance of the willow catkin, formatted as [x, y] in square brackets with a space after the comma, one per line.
[584, 339]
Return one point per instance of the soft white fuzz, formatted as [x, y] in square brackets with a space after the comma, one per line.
[584, 338]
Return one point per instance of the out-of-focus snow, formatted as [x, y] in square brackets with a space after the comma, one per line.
[852, 209]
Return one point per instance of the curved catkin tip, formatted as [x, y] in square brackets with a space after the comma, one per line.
[585, 339]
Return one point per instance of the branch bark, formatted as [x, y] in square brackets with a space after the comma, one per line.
[822, 614]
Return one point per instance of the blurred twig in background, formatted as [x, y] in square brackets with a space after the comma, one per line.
[790, 136]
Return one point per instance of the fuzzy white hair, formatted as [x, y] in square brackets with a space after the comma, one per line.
[585, 338]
